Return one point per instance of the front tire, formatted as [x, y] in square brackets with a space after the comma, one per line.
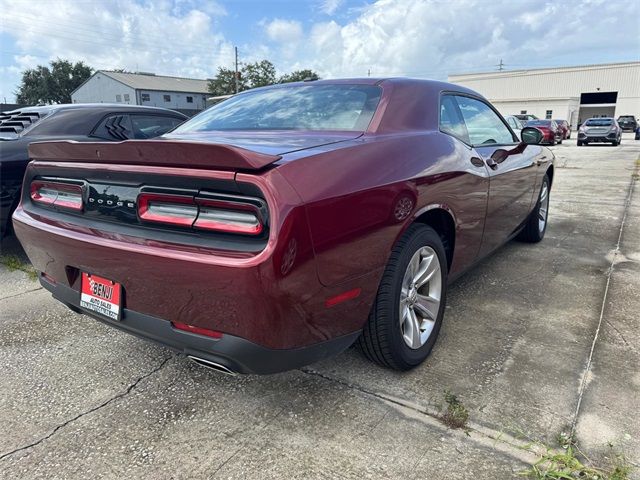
[536, 225]
[407, 313]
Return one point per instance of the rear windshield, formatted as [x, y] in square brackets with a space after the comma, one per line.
[599, 122]
[626, 117]
[542, 123]
[304, 107]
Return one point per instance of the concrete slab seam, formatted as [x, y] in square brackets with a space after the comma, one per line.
[524, 451]
[587, 369]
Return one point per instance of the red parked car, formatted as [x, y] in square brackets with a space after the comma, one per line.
[552, 134]
[286, 223]
[564, 126]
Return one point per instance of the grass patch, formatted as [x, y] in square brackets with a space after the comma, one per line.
[12, 262]
[569, 463]
[456, 414]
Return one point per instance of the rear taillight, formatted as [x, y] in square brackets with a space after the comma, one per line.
[171, 209]
[225, 216]
[228, 214]
[57, 194]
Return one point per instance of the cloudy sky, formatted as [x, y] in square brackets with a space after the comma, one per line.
[337, 38]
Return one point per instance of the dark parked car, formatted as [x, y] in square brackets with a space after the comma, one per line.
[628, 122]
[599, 130]
[552, 134]
[288, 222]
[564, 126]
[80, 122]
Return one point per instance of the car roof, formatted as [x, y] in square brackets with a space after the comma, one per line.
[106, 107]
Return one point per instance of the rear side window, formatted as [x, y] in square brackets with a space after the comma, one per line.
[599, 122]
[484, 125]
[114, 127]
[149, 126]
[451, 120]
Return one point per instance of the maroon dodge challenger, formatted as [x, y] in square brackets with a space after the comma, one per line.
[286, 223]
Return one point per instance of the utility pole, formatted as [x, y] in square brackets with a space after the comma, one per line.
[237, 73]
[500, 66]
[369, 73]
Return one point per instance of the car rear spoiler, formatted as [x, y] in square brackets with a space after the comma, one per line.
[168, 153]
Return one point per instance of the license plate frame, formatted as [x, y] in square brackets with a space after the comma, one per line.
[101, 296]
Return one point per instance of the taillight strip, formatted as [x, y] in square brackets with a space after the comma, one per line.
[57, 194]
[221, 215]
[171, 209]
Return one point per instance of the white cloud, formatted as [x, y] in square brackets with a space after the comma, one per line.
[425, 38]
[284, 31]
[329, 7]
[432, 38]
[162, 37]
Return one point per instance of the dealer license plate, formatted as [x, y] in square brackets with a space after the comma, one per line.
[101, 296]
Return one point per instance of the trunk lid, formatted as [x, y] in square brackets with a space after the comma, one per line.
[215, 150]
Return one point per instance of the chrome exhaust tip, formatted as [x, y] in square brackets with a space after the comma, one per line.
[211, 365]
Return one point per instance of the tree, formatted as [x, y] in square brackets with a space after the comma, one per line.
[299, 76]
[224, 82]
[253, 75]
[52, 85]
[259, 74]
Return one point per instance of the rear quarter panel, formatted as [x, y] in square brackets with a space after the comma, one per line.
[354, 197]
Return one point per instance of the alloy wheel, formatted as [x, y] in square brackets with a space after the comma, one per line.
[420, 297]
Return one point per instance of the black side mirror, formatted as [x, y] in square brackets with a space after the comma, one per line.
[531, 136]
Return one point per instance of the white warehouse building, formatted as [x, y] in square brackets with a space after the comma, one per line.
[568, 93]
[186, 95]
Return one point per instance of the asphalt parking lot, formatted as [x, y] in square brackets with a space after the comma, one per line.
[539, 341]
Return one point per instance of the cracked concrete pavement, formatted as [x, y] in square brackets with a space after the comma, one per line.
[537, 340]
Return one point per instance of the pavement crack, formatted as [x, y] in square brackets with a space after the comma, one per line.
[21, 293]
[87, 412]
[614, 257]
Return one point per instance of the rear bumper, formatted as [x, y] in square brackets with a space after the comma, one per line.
[598, 138]
[234, 353]
[272, 300]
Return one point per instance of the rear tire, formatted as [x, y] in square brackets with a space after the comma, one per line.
[407, 313]
[536, 225]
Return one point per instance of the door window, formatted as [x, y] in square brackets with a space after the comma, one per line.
[149, 126]
[484, 125]
[451, 120]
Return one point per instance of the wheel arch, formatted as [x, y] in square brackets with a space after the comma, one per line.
[550, 172]
[442, 220]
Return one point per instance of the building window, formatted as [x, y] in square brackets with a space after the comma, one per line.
[167, 98]
[146, 97]
[118, 98]
[523, 112]
[189, 99]
[549, 114]
[126, 97]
